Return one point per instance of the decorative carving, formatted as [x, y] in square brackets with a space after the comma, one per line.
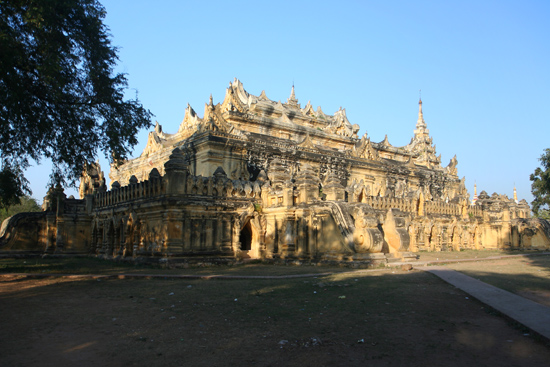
[92, 180]
[283, 182]
[365, 150]
[451, 168]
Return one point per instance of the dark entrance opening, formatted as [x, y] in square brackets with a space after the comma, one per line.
[95, 240]
[110, 240]
[246, 238]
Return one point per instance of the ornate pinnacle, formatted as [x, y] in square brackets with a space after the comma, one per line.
[421, 127]
[292, 100]
[420, 123]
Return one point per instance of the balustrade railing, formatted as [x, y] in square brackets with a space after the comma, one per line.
[144, 189]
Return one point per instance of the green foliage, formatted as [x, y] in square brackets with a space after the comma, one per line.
[27, 204]
[59, 95]
[543, 214]
[541, 187]
[13, 186]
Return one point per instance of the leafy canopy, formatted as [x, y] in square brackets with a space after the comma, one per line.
[13, 185]
[59, 95]
[541, 186]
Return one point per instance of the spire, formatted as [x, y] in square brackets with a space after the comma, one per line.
[420, 123]
[422, 145]
[421, 127]
[515, 195]
[292, 100]
[475, 194]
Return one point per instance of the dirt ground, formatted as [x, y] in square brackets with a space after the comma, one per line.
[362, 318]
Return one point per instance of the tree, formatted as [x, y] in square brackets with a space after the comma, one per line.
[541, 187]
[13, 185]
[27, 204]
[59, 95]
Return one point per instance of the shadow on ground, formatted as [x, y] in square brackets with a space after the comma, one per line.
[525, 276]
[356, 318]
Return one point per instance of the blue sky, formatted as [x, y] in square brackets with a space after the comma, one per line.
[483, 68]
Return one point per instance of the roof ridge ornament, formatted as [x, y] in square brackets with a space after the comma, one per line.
[385, 142]
[263, 96]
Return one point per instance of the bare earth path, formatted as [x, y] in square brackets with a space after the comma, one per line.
[374, 318]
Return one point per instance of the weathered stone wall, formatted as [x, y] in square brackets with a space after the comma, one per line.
[264, 179]
[24, 232]
[182, 215]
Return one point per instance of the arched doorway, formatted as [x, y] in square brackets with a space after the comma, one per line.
[117, 249]
[245, 237]
[360, 197]
[110, 240]
[129, 240]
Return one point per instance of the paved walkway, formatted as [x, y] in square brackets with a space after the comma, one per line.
[532, 315]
